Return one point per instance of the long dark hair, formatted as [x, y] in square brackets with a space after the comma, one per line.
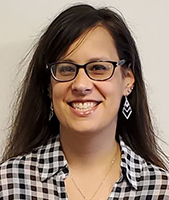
[31, 127]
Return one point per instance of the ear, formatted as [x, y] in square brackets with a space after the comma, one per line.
[129, 81]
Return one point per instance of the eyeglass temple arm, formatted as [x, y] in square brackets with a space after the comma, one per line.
[121, 62]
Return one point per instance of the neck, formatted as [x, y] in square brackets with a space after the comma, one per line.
[88, 149]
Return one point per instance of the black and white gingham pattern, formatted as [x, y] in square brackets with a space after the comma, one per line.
[40, 175]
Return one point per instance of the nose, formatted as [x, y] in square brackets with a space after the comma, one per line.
[82, 84]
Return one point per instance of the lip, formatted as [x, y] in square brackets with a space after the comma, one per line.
[82, 101]
[83, 112]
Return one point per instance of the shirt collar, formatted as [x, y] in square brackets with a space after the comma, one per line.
[131, 164]
[51, 161]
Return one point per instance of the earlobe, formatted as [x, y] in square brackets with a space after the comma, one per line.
[129, 90]
[129, 82]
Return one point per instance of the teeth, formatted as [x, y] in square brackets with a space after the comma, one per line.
[84, 106]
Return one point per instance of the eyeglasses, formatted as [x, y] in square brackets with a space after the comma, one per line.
[95, 70]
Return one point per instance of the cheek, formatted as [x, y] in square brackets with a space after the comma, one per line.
[111, 89]
[57, 93]
[113, 95]
[59, 90]
[113, 92]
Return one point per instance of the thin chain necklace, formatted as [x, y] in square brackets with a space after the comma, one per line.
[98, 188]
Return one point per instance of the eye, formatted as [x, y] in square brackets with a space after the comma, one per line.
[66, 68]
[97, 67]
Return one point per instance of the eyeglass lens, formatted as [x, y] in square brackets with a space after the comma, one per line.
[95, 70]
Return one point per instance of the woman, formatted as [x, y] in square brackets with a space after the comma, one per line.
[83, 128]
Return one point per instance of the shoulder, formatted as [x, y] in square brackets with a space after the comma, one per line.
[154, 180]
[24, 176]
[28, 165]
[26, 160]
[146, 178]
[155, 174]
[15, 166]
[17, 175]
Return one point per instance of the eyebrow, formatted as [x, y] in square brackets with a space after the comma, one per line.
[90, 60]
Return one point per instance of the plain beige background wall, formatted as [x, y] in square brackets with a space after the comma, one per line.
[21, 22]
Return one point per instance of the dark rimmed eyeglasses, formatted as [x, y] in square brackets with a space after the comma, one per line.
[95, 70]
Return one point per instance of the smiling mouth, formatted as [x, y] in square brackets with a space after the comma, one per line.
[84, 106]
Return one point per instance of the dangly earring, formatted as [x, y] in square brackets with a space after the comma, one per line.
[51, 111]
[127, 109]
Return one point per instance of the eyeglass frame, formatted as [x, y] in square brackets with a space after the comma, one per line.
[115, 64]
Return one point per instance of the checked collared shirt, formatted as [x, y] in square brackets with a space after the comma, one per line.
[40, 175]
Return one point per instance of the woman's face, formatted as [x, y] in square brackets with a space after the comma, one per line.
[84, 105]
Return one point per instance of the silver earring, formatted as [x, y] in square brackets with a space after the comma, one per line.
[126, 110]
[51, 111]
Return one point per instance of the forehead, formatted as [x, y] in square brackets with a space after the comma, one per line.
[96, 42]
